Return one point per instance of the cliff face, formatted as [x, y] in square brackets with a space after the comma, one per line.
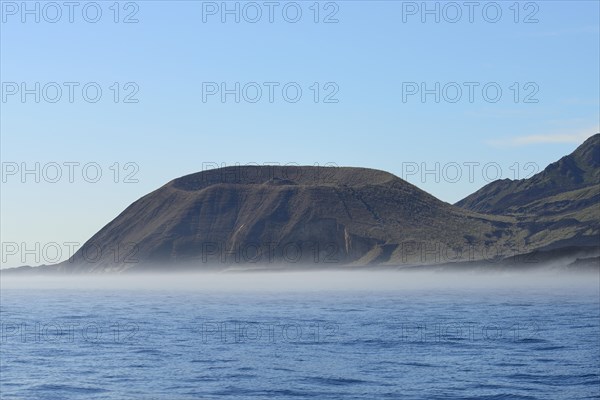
[286, 217]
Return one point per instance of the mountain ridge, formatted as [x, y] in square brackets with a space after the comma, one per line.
[361, 216]
[575, 171]
[557, 208]
[289, 217]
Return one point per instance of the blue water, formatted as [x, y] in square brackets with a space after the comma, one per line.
[443, 344]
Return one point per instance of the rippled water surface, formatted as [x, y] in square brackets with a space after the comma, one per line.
[403, 344]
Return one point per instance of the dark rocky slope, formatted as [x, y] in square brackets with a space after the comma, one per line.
[291, 217]
[556, 208]
[323, 217]
[578, 170]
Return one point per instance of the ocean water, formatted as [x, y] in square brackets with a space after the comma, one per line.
[442, 343]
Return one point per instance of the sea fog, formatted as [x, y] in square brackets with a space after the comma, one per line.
[336, 280]
[301, 335]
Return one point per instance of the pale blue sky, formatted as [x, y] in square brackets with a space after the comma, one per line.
[368, 54]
